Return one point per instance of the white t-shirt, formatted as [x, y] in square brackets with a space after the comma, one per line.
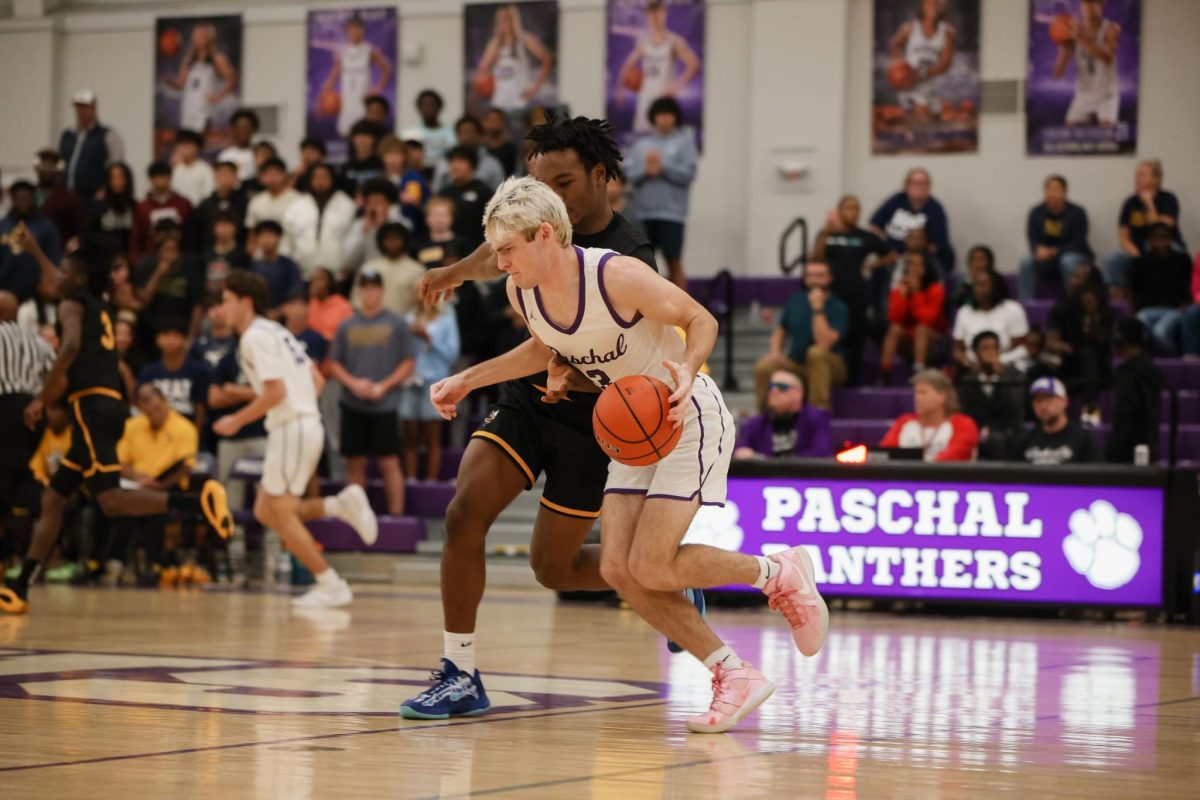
[1006, 319]
[296, 212]
[194, 181]
[267, 351]
[243, 157]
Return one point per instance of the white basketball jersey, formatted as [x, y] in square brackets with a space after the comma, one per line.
[193, 105]
[658, 70]
[267, 351]
[1094, 80]
[356, 82]
[511, 72]
[597, 342]
[924, 51]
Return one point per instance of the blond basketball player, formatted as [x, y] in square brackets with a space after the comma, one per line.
[611, 317]
[1093, 44]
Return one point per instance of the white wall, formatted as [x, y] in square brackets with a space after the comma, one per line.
[786, 80]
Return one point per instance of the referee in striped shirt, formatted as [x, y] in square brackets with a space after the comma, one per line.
[25, 358]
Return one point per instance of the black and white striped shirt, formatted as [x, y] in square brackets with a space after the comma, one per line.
[25, 358]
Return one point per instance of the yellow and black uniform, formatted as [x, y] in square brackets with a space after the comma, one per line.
[94, 401]
[49, 455]
[157, 452]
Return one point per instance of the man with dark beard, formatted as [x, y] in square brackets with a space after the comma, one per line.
[787, 428]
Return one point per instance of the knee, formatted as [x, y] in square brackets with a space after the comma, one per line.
[616, 574]
[650, 574]
[109, 502]
[815, 354]
[550, 573]
[464, 520]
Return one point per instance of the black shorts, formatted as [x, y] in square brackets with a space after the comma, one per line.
[19, 490]
[556, 438]
[97, 424]
[666, 236]
[366, 433]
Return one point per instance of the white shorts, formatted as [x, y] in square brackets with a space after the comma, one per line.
[699, 464]
[1105, 107]
[927, 93]
[293, 450]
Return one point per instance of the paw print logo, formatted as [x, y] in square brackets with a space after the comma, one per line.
[1103, 545]
[717, 527]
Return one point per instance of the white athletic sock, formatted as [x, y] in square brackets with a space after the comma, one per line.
[328, 578]
[767, 569]
[333, 506]
[460, 648]
[724, 656]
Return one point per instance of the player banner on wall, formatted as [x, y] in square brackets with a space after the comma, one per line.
[197, 79]
[1081, 89]
[510, 53]
[655, 48]
[351, 56]
[925, 77]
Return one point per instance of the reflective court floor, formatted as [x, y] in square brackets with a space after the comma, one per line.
[107, 693]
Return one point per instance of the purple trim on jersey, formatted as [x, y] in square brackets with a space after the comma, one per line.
[625, 491]
[537, 295]
[673, 497]
[612, 312]
[721, 441]
[521, 301]
[714, 503]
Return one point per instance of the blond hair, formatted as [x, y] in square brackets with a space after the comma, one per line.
[941, 384]
[522, 205]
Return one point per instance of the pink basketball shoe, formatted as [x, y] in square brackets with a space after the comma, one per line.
[736, 693]
[793, 593]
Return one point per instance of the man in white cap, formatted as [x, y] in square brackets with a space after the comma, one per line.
[1056, 439]
[88, 148]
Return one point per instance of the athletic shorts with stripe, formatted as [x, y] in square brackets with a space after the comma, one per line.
[555, 438]
[97, 424]
[699, 464]
[293, 451]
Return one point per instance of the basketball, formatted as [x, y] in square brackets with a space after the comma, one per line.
[1061, 29]
[901, 75]
[329, 103]
[169, 42]
[484, 84]
[630, 421]
[632, 79]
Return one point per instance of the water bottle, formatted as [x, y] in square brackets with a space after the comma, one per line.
[1141, 455]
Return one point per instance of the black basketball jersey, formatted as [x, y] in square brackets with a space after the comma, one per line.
[95, 367]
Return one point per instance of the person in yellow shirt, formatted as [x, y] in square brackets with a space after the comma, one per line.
[56, 441]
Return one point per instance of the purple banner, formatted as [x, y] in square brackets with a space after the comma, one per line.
[1081, 89]
[510, 53]
[351, 56]
[925, 77]
[654, 49]
[993, 542]
[197, 79]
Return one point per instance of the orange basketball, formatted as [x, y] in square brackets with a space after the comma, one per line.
[1060, 29]
[329, 103]
[630, 421]
[484, 84]
[632, 79]
[901, 75]
[169, 42]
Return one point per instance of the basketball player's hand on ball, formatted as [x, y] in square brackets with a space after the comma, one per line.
[446, 394]
[438, 285]
[682, 394]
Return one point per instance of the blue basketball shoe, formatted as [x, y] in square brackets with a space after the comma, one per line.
[454, 694]
[696, 596]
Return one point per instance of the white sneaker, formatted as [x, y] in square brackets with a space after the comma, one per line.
[337, 594]
[356, 511]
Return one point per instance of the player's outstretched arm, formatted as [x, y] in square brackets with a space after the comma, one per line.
[70, 318]
[439, 282]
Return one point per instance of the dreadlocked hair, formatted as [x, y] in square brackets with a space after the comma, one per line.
[591, 139]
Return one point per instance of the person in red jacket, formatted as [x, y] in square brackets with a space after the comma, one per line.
[160, 203]
[936, 427]
[916, 311]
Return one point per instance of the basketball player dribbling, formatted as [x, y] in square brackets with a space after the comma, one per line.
[1093, 43]
[507, 59]
[657, 50]
[286, 384]
[353, 67]
[593, 307]
[86, 367]
[202, 68]
[926, 43]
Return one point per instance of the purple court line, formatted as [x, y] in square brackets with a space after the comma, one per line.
[323, 736]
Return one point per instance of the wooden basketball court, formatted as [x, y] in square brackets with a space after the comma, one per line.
[108, 693]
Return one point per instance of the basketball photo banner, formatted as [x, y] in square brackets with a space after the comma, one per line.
[655, 48]
[1081, 89]
[197, 79]
[351, 56]
[510, 57]
[925, 77]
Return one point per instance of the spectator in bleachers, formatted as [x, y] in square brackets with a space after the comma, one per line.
[335, 216]
[1038, 362]
[227, 198]
[294, 213]
[281, 273]
[161, 204]
[916, 316]
[469, 136]
[182, 380]
[990, 310]
[55, 443]
[412, 189]
[660, 169]
[1056, 439]
[469, 194]
[378, 111]
[88, 148]
[915, 207]
[243, 128]
[372, 357]
[1160, 282]
[312, 153]
[498, 141]
[812, 326]
[218, 339]
[58, 203]
[379, 206]
[436, 137]
[1057, 232]
[1080, 332]
[263, 151]
[1149, 205]
[191, 176]
[223, 254]
[112, 212]
[327, 309]
[130, 361]
[935, 427]
[437, 345]
[25, 210]
[295, 319]
[786, 426]
[1191, 317]
[980, 259]
[121, 293]
[1137, 389]
[158, 449]
[363, 163]
[993, 394]
[442, 247]
[401, 272]
[169, 285]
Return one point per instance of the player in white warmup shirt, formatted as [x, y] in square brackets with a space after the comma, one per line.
[612, 318]
[353, 67]
[508, 57]
[657, 50]
[927, 44]
[205, 78]
[1094, 47]
[286, 384]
